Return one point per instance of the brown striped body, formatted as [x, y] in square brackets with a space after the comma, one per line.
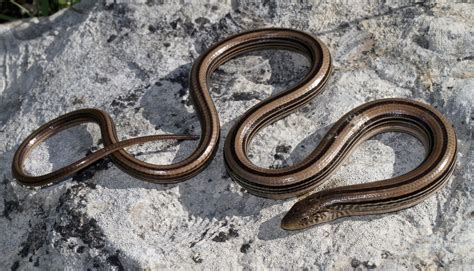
[361, 123]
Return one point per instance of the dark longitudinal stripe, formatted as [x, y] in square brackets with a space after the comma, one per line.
[381, 196]
[379, 120]
[366, 205]
[418, 119]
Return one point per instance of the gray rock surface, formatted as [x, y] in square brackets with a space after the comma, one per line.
[132, 59]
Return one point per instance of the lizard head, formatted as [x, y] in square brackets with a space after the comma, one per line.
[308, 212]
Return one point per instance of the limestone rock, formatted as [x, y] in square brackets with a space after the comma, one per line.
[132, 59]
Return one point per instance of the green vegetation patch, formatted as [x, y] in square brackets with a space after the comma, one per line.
[11, 10]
